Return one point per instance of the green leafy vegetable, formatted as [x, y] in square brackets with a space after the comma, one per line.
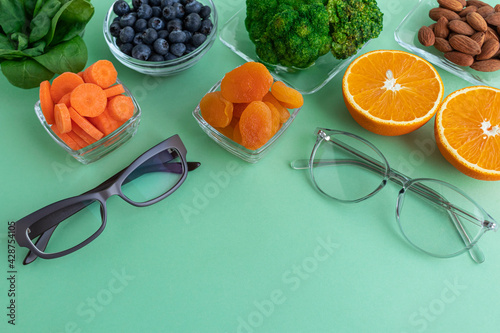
[70, 56]
[39, 38]
[26, 73]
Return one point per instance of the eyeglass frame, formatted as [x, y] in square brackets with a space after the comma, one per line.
[101, 193]
[394, 175]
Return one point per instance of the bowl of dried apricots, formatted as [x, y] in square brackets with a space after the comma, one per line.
[247, 111]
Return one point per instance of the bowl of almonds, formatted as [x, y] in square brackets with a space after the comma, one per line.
[460, 36]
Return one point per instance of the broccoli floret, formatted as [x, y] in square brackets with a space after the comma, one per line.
[352, 24]
[288, 32]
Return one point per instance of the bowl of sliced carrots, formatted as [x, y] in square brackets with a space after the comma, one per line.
[89, 114]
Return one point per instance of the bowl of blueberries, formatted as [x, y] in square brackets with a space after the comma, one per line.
[160, 37]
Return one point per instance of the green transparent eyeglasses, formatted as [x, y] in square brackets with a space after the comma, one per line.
[434, 216]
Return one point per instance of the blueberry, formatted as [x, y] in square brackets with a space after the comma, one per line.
[156, 11]
[168, 13]
[127, 34]
[138, 38]
[198, 39]
[206, 26]
[121, 8]
[140, 25]
[116, 19]
[161, 46]
[179, 10]
[141, 52]
[163, 34]
[118, 42]
[127, 48]
[192, 6]
[170, 56]
[114, 29]
[175, 24]
[156, 57]
[177, 36]
[189, 35]
[192, 22]
[177, 49]
[205, 12]
[190, 48]
[149, 36]
[156, 23]
[145, 12]
[128, 20]
[138, 3]
[168, 2]
[154, 3]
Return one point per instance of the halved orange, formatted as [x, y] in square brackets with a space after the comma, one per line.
[467, 129]
[391, 92]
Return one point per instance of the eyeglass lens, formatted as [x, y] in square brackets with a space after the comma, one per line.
[438, 219]
[81, 220]
[342, 168]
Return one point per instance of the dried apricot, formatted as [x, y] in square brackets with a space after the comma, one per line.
[275, 114]
[216, 110]
[237, 134]
[284, 113]
[288, 97]
[246, 83]
[256, 125]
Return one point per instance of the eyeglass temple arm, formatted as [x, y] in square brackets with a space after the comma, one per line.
[46, 227]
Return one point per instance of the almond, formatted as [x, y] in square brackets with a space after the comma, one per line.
[490, 65]
[493, 19]
[426, 36]
[485, 10]
[463, 3]
[467, 10]
[476, 21]
[465, 44]
[459, 58]
[490, 33]
[478, 37]
[441, 44]
[441, 28]
[436, 13]
[489, 49]
[461, 28]
[476, 3]
[453, 5]
[497, 8]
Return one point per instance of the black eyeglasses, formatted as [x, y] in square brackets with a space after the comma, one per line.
[152, 177]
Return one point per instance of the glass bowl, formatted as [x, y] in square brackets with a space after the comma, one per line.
[234, 35]
[251, 156]
[161, 68]
[406, 35]
[104, 146]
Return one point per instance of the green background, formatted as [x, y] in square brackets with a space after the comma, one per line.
[260, 250]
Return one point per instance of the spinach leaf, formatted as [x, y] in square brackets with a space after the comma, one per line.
[25, 74]
[70, 21]
[21, 40]
[5, 43]
[70, 56]
[38, 6]
[36, 49]
[39, 26]
[12, 16]
[11, 54]
[29, 7]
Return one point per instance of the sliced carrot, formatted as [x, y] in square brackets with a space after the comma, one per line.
[63, 84]
[105, 123]
[112, 91]
[88, 99]
[46, 102]
[66, 99]
[80, 74]
[63, 120]
[102, 73]
[85, 124]
[82, 134]
[78, 139]
[66, 138]
[121, 107]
